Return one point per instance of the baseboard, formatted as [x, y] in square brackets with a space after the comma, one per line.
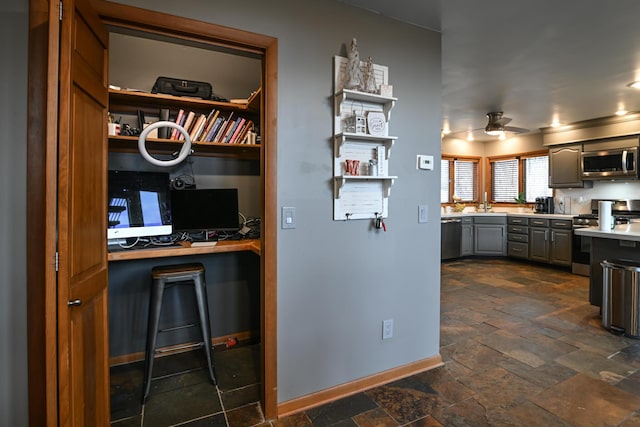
[347, 389]
[136, 357]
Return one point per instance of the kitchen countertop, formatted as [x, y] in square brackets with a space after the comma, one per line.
[520, 214]
[620, 232]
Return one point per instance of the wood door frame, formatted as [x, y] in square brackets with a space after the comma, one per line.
[42, 179]
[159, 23]
[42, 163]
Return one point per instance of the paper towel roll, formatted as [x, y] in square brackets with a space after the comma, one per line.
[604, 215]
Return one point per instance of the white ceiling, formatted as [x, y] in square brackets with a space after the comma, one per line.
[531, 59]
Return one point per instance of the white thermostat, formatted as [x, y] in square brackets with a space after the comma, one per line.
[424, 162]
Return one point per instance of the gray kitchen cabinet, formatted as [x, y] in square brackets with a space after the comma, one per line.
[466, 245]
[564, 166]
[550, 241]
[561, 242]
[490, 235]
[518, 237]
[539, 240]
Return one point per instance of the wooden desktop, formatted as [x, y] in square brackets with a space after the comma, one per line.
[185, 248]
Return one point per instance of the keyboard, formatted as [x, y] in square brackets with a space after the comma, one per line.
[204, 243]
[117, 248]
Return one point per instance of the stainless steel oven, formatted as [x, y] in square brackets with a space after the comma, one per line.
[581, 246]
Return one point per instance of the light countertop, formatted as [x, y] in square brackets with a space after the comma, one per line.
[620, 232]
[519, 214]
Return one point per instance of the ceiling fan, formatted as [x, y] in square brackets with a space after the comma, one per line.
[497, 125]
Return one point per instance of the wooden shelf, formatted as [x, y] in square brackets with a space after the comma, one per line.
[131, 101]
[129, 144]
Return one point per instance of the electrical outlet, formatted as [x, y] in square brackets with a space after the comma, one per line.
[387, 329]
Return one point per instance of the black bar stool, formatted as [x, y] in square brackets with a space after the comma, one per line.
[163, 277]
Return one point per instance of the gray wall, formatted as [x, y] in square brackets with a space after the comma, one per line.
[14, 20]
[337, 281]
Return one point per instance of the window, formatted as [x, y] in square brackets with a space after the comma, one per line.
[525, 173]
[459, 177]
[504, 174]
[536, 178]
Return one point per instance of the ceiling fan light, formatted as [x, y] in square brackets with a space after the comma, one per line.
[494, 132]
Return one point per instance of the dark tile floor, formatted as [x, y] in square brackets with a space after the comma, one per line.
[521, 346]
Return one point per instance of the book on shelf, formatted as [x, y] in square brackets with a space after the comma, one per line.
[231, 129]
[197, 127]
[188, 123]
[248, 127]
[222, 131]
[214, 128]
[236, 131]
[179, 121]
[211, 119]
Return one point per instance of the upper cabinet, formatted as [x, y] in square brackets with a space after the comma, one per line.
[564, 166]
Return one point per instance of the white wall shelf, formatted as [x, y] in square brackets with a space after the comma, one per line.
[344, 137]
[365, 193]
[387, 182]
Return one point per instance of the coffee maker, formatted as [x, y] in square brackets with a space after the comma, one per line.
[543, 205]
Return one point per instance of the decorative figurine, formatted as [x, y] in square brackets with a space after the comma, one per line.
[354, 74]
[369, 84]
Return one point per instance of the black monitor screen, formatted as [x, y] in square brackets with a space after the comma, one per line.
[139, 204]
[205, 209]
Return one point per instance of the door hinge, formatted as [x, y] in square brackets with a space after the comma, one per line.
[60, 11]
[57, 261]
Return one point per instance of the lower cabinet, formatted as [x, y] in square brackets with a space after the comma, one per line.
[534, 239]
[466, 245]
[539, 240]
[489, 235]
[561, 242]
[549, 241]
[518, 237]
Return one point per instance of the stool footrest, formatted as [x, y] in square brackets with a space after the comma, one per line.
[179, 347]
[175, 328]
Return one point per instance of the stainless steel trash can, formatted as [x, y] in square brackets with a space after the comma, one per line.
[621, 297]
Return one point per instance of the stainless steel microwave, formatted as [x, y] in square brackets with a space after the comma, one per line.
[619, 163]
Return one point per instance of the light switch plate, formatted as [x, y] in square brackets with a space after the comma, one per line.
[423, 214]
[288, 217]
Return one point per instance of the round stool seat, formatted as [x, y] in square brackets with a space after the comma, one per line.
[176, 271]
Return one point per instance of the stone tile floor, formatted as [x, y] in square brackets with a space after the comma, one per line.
[521, 346]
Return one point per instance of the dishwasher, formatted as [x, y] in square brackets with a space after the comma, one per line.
[450, 238]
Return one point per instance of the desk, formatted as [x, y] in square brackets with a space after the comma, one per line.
[222, 246]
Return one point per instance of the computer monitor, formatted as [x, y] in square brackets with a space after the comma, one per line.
[213, 209]
[139, 204]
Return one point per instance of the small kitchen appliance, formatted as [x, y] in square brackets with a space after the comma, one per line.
[543, 205]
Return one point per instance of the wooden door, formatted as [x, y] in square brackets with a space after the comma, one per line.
[83, 369]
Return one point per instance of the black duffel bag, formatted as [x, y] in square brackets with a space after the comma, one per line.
[178, 87]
